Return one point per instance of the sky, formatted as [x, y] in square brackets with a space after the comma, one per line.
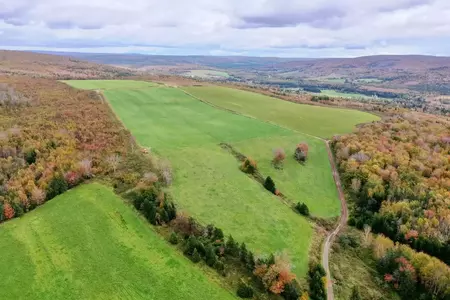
[284, 28]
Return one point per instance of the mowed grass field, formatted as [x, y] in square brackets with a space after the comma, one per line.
[207, 181]
[314, 120]
[88, 244]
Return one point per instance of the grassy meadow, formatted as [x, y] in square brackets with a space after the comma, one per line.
[88, 244]
[314, 120]
[207, 181]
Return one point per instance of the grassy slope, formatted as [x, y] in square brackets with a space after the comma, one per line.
[86, 244]
[311, 183]
[208, 183]
[314, 120]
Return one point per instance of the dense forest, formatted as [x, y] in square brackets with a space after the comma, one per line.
[397, 174]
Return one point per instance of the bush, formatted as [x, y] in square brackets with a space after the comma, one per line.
[244, 291]
[270, 185]
[57, 186]
[173, 239]
[302, 209]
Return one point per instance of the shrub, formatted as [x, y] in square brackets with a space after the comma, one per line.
[57, 186]
[270, 185]
[173, 238]
[244, 291]
[302, 209]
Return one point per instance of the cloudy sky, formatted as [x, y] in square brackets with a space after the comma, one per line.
[287, 28]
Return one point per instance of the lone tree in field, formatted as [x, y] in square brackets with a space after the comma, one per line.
[278, 158]
[301, 152]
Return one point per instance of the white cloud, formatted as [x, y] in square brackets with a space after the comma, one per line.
[248, 27]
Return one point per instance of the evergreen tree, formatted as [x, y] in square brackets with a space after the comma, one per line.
[57, 186]
[355, 293]
[243, 253]
[210, 255]
[149, 210]
[173, 238]
[250, 262]
[270, 185]
[164, 216]
[244, 291]
[316, 284]
[290, 292]
[190, 245]
[196, 256]
[231, 247]
[218, 234]
[302, 209]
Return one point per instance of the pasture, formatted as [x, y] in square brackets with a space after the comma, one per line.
[88, 244]
[314, 120]
[207, 181]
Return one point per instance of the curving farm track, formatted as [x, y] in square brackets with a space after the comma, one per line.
[342, 222]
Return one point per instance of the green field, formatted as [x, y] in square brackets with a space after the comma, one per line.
[207, 181]
[314, 120]
[87, 244]
[310, 183]
[207, 74]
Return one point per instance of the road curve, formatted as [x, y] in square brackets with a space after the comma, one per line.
[342, 222]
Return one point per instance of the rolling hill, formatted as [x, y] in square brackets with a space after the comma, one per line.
[54, 66]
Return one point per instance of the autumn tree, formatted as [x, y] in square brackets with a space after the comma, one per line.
[278, 158]
[301, 152]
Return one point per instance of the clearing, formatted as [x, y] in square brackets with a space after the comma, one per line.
[314, 120]
[333, 93]
[88, 244]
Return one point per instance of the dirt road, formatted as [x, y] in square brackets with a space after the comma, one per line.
[342, 222]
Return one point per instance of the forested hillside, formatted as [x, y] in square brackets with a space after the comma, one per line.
[397, 174]
[53, 137]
